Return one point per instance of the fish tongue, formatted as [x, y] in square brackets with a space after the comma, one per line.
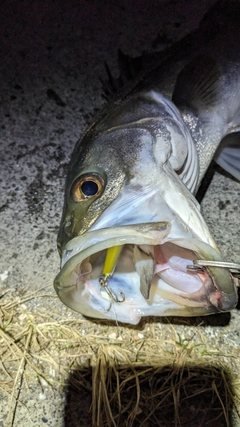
[145, 266]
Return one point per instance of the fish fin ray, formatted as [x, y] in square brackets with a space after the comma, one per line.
[228, 154]
[129, 67]
[198, 84]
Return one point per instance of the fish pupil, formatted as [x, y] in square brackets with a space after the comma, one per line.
[89, 188]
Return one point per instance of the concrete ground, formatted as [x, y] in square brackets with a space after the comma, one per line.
[52, 55]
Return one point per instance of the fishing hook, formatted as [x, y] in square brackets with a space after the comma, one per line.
[111, 294]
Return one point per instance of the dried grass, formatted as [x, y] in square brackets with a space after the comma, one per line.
[145, 376]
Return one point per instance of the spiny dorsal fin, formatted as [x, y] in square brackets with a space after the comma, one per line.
[198, 84]
[129, 68]
[110, 85]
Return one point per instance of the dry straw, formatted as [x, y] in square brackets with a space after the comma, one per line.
[157, 374]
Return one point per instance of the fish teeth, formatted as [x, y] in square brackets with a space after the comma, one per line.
[145, 266]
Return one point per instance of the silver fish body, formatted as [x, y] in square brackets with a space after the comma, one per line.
[132, 179]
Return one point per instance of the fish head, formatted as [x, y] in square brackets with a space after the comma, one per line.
[129, 187]
[122, 156]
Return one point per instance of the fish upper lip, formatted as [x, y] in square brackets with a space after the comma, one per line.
[222, 296]
[104, 238]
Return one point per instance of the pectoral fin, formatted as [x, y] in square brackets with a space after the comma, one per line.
[199, 84]
[228, 154]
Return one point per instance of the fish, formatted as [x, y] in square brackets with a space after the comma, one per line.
[132, 239]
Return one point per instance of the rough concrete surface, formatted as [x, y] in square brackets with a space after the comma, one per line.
[52, 55]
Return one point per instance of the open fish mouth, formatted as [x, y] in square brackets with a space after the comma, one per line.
[153, 275]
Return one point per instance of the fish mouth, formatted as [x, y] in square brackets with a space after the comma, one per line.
[151, 276]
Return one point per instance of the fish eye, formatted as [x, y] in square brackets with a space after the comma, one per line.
[87, 186]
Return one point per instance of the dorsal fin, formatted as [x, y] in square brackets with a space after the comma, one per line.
[129, 68]
[198, 84]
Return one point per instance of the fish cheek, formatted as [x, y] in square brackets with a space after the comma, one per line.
[73, 221]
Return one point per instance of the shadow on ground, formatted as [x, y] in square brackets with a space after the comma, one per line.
[149, 396]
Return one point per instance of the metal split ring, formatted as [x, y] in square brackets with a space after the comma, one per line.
[200, 264]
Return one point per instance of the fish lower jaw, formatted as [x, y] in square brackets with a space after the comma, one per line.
[148, 280]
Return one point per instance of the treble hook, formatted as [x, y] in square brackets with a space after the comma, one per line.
[111, 294]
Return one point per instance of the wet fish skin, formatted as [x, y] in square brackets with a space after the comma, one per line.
[147, 154]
